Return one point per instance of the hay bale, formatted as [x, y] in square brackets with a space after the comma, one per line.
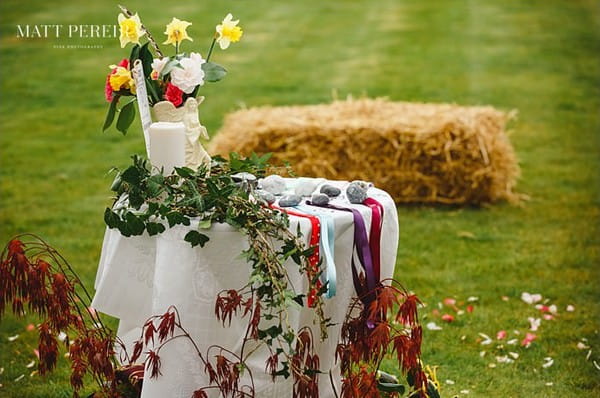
[419, 153]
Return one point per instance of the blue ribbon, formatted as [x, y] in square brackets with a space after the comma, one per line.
[327, 244]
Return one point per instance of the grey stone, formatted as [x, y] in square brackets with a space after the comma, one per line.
[363, 184]
[319, 199]
[290, 200]
[306, 186]
[265, 196]
[330, 190]
[356, 193]
[273, 183]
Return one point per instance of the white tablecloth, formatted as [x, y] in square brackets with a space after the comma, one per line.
[142, 276]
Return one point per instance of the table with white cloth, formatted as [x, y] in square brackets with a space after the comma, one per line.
[144, 275]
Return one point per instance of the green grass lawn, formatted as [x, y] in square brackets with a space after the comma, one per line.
[540, 57]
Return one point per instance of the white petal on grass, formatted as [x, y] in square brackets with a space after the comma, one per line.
[491, 365]
[433, 326]
[549, 384]
[482, 354]
[534, 323]
[549, 362]
[62, 336]
[30, 365]
[487, 339]
[531, 298]
[581, 345]
[514, 355]
[13, 338]
[472, 299]
[596, 365]
[448, 381]
[1, 370]
[553, 309]
[19, 378]
[570, 308]
[512, 341]
[464, 392]
[589, 354]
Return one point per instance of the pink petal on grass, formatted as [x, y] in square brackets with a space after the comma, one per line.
[570, 308]
[30, 327]
[534, 323]
[37, 353]
[449, 301]
[531, 298]
[548, 317]
[470, 308]
[529, 338]
[501, 335]
[447, 318]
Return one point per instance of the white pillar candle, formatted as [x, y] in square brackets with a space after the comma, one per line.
[167, 145]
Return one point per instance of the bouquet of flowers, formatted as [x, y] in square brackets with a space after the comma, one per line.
[174, 78]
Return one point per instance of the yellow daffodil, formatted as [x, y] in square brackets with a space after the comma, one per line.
[121, 78]
[228, 32]
[131, 29]
[176, 32]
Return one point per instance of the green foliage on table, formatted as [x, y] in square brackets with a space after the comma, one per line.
[149, 202]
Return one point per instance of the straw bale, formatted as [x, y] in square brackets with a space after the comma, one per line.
[419, 153]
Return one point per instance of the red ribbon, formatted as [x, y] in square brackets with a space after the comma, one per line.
[313, 259]
[375, 235]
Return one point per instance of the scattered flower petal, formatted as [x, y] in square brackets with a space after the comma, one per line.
[37, 353]
[449, 301]
[487, 339]
[448, 381]
[548, 317]
[440, 306]
[549, 362]
[534, 323]
[470, 308]
[553, 309]
[589, 354]
[463, 337]
[512, 341]
[435, 312]
[501, 335]
[1, 370]
[62, 336]
[504, 359]
[482, 354]
[460, 312]
[514, 355]
[549, 384]
[464, 392]
[529, 337]
[472, 299]
[433, 326]
[13, 338]
[30, 327]
[19, 378]
[33, 373]
[531, 298]
[505, 298]
[30, 365]
[516, 332]
[596, 365]
[570, 308]
[447, 318]
[491, 365]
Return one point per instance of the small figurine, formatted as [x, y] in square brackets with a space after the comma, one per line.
[195, 155]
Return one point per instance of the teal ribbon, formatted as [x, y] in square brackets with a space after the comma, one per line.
[327, 241]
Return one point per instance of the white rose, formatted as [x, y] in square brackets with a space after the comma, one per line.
[159, 63]
[190, 74]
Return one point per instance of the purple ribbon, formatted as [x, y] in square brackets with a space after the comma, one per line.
[363, 250]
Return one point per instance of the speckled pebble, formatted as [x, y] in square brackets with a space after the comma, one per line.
[356, 193]
[265, 196]
[319, 199]
[363, 184]
[305, 187]
[273, 183]
[290, 200]
[330, 190]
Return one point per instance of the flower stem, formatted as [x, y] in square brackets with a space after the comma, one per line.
[212, 45]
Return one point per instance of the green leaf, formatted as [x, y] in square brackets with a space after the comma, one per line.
[134, 224]
[391, 387]
[173, 63]
[146, 58]
[184, 172]
[112, 109]
[196, 238]
[204, 224]
[135, 54]
[175, 218]
[154, 228]
[131, 175]
[126, 116]
[111, 218]
[213, 72]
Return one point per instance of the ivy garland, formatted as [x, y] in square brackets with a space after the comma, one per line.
[147, 201]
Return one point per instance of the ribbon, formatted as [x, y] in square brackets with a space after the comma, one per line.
[328, 246]
[375, 235]
[313, 259]
[363, 251]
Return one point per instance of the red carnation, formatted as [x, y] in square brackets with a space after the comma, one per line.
[174, 94]
[108, 91]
